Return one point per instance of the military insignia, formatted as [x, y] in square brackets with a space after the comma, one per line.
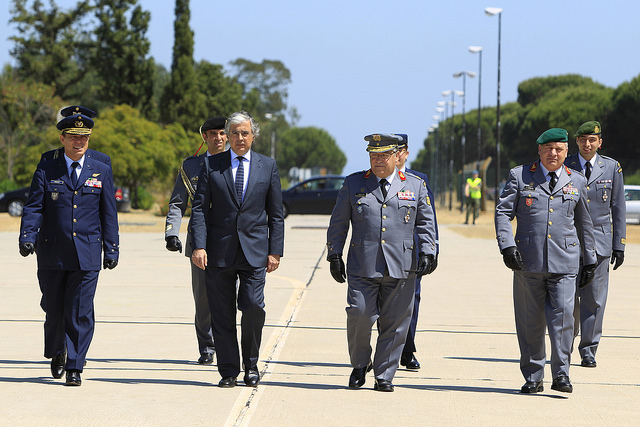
[407, 217]
[619, 167]
[359, 209]
[596, 129]
[92, 182]
[377, 138]
[78, 124]
[533, 167]
[406, 195]
[528, 201]
[401, 175]
[56, 181]
[428, 200]
[95, 175]
[605, 196]
[361, 194]
[623, 240]
[367, 174]
[568, 170]
[169, 227]
[570, 189]
[529, 187]
[54, 196]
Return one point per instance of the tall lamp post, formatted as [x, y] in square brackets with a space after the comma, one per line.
[478, 50]
[492, 11]
[442, 109]
[434, 164]
[272, 119]
[463, 141]
[446, 93]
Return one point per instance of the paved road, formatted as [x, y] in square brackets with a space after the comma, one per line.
[141, 366]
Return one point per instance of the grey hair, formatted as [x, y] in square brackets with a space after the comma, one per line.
[241, 117]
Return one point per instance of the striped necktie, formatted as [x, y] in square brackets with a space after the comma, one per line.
[240, 178]
[553, 180]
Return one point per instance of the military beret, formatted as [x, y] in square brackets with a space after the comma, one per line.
[553, 135]
[589, 128]
[380, 142]
[213, 123]
[405, 140]
[76, 120]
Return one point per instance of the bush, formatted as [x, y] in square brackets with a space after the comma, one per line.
[143, 199]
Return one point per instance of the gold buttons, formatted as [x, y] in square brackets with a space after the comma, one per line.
[549, 236]
[75, 206]
[383, 242]
[384, 205]
[551, 210]
[550, 223]
[550, 197]
[74, 234]
[384, 229]
[75, 220]
[384, 217]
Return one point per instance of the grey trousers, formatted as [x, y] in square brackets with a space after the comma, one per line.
[203, 315]
[589, 309]
[390, 302]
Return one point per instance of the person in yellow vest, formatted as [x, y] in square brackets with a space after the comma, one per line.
[473, 193]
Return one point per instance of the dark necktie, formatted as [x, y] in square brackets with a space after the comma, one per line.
[74, 175]
[587, 170]
[240, 178]
[552, 182]
[383, 187]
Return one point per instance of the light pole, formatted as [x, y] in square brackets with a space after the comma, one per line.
[272, 119]
[478, 50]
[442, 109]
[492, 11]
[434, 162]
[463, 140]
[453, 139]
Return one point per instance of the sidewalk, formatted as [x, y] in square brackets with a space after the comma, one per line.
[141, 366]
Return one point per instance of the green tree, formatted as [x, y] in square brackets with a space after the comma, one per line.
[48, 43]
[27, 111]
[119, 55]
[223, 95]
[309, 147]
[621, 129]
[143, 154]
[182, 100]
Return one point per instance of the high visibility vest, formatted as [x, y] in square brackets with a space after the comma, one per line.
[475, 190]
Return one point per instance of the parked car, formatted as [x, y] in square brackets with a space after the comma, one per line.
[313, 196]
[632, 201]
[13, 201]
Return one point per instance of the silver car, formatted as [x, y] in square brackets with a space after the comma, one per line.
[632, 201]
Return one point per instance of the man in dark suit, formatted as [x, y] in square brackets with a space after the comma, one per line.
[242, 238]
[69, 219]
[408, 358]
[213, 134]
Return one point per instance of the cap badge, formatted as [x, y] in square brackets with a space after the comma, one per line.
[596, 129]
[79, 123]
[377, 138]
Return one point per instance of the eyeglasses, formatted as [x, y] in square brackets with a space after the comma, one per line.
[237, 133]
[380, 156]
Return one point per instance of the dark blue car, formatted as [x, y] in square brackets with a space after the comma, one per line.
[313, 196]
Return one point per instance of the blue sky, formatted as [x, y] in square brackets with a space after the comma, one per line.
[366, 66]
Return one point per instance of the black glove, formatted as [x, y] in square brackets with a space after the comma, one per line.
[618, 258]
[588, 272]
[425, 264]
[173, 243]
[27, 248]
[110, 263]
[433, 264]
[512, 258]
[336, 265]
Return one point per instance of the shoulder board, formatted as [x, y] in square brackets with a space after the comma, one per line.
[533, 167]
[401, 175]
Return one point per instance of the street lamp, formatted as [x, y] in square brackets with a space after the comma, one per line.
[442, 109]
[492, 11]
[453, 139]
[463, 141]
[272, 119]
[478, 50]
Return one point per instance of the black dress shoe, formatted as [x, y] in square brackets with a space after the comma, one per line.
[227, 382]
[57, 365]
[206, 359]
[532, 387]
[357, 378]
[562, 384]
[588, 362]
[383, 385]
[409, 361]
[73, 378]
[251, 377]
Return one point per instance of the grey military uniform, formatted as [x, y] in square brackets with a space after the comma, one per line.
[605, 198]
[554, 230]
[186, 184]
[380, 261]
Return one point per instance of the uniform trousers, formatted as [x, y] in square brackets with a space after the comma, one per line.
[390, 302]
[539, 299]
[203, 315]
[589, 309]
[410, 344]
[67, 300]
[221, 291]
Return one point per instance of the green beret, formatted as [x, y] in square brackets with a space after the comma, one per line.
[589, 128]
[553, 135]
[380, 142]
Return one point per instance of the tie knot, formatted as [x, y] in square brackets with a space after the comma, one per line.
[383, 181]
[75, 165]
[240, 159]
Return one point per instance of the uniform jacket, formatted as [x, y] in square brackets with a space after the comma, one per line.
[179, 201]
[433, 204]
[605, 197]
[71, 226]
[92, 154]
[382, 233]
[554, 227]
[257, 225]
